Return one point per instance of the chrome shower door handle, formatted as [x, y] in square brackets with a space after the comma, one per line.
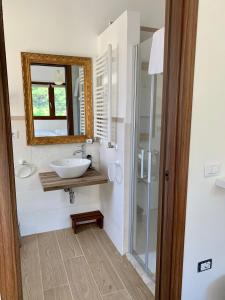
[149, 166]
[142, 163]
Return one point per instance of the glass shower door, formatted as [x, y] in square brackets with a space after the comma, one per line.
[154, 165]
[146, 157]
[141, 184]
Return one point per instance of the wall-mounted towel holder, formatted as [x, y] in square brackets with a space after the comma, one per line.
[115, 172]
[24, 169]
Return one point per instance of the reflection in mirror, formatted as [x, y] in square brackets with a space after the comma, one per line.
[57, 98]
[58, 102]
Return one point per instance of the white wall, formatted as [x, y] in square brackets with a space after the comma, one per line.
[205, 225]
[62, 27]
[113, 202]
[58, 27]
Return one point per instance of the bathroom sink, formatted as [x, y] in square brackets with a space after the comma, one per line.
[70, 167]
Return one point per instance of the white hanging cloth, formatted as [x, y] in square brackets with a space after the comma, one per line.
[157, 53]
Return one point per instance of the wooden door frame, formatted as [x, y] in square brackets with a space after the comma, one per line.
[180, 45]
[10, 274]
[180, 40]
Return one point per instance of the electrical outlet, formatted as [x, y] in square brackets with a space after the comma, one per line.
[205, 265]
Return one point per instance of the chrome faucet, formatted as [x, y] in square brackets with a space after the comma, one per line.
[81, 150]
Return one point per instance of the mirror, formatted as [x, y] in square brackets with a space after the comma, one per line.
[58, 98]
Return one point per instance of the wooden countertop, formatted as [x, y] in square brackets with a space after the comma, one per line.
[51, 181]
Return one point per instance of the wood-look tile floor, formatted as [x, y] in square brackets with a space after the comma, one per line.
[60, 265]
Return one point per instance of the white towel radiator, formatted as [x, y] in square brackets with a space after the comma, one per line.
[103, 97]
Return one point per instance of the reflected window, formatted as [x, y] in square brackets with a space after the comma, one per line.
[58, 100]
[49, 101]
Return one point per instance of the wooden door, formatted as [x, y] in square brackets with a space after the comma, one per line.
[180, 43]
[10, 274]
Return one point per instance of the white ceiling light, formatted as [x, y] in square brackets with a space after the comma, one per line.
[59, 77]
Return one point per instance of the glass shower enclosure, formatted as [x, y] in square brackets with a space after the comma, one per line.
[146, 161]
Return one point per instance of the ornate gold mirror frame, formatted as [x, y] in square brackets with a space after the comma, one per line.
[35, 58]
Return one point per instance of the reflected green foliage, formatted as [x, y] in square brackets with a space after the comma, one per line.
[40, 101]
[40, 97]
[60, 101]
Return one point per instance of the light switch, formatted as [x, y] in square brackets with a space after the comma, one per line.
[212, 169]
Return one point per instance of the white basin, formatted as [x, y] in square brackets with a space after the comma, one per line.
[70, 167]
